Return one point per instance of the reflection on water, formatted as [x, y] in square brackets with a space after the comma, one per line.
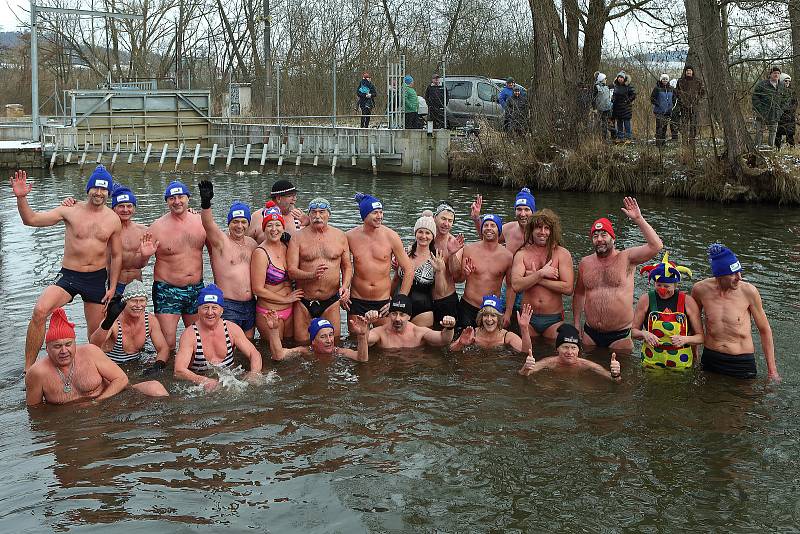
[411, 441]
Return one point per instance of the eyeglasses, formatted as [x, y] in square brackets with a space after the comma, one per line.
[319, 206]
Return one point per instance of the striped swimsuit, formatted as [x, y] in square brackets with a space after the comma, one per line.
[199, 362]
[118, 354]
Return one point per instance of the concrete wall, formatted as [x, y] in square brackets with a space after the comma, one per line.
[22, 158]
[15, 131]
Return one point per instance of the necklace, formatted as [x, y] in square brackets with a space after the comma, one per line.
[67, 380]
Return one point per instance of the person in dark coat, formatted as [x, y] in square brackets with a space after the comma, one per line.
[622, 99]
[515, 120]
[789, 116]
[365, 94]
[662, 99]
[434, 96]
[767, 100]
[688, 92]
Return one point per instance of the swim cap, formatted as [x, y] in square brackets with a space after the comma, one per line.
[100, 178]
[282, 187]
[723, 260]
[319, 203]
[444, 206]
[272, 213]
[122, 195]
[602, 224]
[497, 220]
[408, 79]
[666, 272]
[367, 204]
[426, 222]
[176, 188]
[401, 303]
[211, 294]
[239, 211]
[525, 198]
[60, 327]
[317, 325]
[568, 334]
[134, 289]
[491, 301]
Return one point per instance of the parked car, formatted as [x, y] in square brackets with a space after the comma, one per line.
[470, 98]
[502, 83]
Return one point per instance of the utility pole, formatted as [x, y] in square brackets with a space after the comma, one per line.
[35, 10]
[267, 60]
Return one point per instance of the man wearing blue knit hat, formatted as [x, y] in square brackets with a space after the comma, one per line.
[230, 259]
[179, 237]
[729, 304]
[92, 232]
[372, 246]
[137, 244]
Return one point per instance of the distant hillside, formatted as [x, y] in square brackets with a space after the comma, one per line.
[10, 39]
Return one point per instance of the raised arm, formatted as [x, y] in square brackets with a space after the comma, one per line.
[359, 327]
[440, 338]
[522, 342]
[466, 339]
[275, 347]
[214, 236]
[21, 188]
[642, 253]
[764, 331]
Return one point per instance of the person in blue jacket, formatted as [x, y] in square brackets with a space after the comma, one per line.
[663, 100]
[508, 91]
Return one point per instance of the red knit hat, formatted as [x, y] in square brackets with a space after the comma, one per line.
[602, 224]
[60, 327]
[272, 214]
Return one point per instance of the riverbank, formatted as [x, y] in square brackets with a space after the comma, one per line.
[638, 167]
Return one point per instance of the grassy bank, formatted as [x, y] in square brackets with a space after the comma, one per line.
[639, 167]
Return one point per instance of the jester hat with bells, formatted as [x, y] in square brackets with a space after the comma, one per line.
[666, 272]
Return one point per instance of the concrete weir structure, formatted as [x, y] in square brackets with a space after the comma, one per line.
[124, 125]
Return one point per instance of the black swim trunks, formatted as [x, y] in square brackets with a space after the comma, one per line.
[444, 306]
[90, 286]
[605, 339]
[467, 314]
[735, 365]
[317, 307]
[361, 306]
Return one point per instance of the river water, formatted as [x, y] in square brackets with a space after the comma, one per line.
[416, 441]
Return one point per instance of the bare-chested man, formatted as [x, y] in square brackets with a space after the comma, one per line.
[92, 233]
[372, 246]
[568, 348]
[284, 195]
[445, 298]
[604, 290]
[318, 260]
[73, 372]
[543, 272]
[729, 304]
[401, 333]
[484, 266]
[178, 271]
[230, 259]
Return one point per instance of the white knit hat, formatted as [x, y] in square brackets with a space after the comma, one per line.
[426, 221]
[134, 288]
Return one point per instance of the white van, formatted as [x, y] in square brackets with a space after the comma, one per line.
[470, 98]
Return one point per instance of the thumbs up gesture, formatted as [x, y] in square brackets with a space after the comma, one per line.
[530, 363]
[615, 368]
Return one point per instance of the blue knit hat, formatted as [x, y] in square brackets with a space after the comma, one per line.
[525, 198]
[239, 210]
[176, 188]
[723, 260]
[367, 204]
[100, 178]
[497, 220]
[317, 325]
[492, 301]
[408, 79]
[121, 195]
[211, 294]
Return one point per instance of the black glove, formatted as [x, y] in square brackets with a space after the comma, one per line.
[155, 368]
[206, 193]
[285, 238]
[115, 307]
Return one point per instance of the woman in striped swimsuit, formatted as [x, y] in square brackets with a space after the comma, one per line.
[128, 333]
[208, 344]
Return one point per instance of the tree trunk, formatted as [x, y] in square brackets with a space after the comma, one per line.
[711, 45]
[593, 37]
[794, 21]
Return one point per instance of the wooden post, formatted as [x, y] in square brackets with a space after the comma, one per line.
[196, 155]
[163, 156]
[230, 157]
[299, 151]
[69, 157]
[335, 157]
[147, 153]
[53, 157]
[372, 158]
[179, 156]
[247, 154]
[263, 155]
[213, 155]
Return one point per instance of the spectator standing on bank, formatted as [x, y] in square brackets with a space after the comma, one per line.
[622, 109]
[434, 96]
[601, 103]
[365, 94]
[662, 99]
[411, 103]
[767, 100]
[508, 91]
[788, 115]
[515, 119]
[688, 93]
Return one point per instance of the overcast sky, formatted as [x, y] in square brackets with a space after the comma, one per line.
[8, 22]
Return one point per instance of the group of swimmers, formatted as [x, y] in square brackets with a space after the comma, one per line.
[287, 273]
